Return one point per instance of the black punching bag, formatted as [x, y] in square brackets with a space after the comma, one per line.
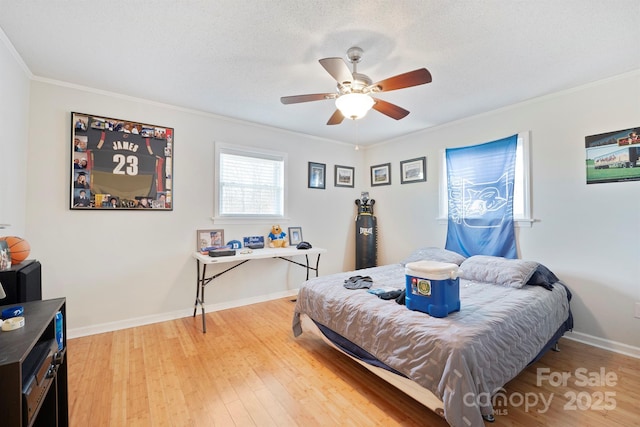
[366, 233]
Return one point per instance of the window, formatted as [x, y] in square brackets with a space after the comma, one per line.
[250, 183]
[521, 191]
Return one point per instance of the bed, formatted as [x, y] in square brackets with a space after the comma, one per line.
[512, 311]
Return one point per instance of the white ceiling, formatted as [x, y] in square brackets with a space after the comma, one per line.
[236, 58]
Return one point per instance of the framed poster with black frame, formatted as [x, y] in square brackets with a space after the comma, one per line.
[120, 164]
[613, 156]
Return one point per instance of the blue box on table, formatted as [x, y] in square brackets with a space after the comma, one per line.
[432, 287]
[254, 242]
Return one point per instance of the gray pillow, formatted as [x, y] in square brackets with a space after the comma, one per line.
[514, 273]
[434, 254]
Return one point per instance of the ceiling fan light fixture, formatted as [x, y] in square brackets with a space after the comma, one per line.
[355, 94]
[354, 105]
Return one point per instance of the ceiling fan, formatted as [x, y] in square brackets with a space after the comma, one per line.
[354, 97]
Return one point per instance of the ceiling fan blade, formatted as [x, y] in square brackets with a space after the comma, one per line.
[389, 109]
[306, 98]
[337, 68]
[412, 78]
[336, 118]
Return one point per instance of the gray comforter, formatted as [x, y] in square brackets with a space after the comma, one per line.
[463, 358]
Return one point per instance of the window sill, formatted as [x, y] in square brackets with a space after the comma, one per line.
[231, 220]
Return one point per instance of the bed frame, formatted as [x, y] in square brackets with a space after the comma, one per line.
[419, 393]
[404, 384]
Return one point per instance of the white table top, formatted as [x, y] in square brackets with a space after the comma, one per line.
[257, 254]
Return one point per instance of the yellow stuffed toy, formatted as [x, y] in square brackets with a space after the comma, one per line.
[277, 238]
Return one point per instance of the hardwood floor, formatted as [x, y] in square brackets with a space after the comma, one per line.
[249, 370]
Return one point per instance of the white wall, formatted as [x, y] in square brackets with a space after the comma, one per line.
[124, 268]
[14, 112]
[128, 267]
[588, 235]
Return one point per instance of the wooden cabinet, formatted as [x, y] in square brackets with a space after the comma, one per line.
[33, 370]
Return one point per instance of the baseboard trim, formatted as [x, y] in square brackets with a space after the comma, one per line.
[163, 317]
[614, 346]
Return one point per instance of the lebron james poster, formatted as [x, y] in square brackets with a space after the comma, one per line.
[120, 164]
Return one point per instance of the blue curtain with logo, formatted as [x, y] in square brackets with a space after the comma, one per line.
[480, 181]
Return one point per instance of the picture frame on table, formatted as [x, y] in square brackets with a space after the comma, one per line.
[209, 239]
[413, 170]
[317, 175]
[295, 235]
[344, 176]
[5, 256]
[381, 174]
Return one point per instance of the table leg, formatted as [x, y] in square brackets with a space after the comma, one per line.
[307, 258]
[317, 264]
[202, 281]
[312, 268]
[204, 318]
[195, 304]
[200, 284]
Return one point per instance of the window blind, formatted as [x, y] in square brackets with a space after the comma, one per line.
[251, 185]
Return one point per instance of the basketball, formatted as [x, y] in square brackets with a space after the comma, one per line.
[18, 247]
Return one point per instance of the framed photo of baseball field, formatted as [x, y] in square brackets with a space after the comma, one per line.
[613, 156]
[120, 164]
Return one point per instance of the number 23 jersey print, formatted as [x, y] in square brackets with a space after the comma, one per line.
[124, 164]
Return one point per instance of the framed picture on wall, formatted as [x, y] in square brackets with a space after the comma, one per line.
[344, 176]
[613, 156]
[414, 170]
[120, 164]
[381, 174]
[317, 175]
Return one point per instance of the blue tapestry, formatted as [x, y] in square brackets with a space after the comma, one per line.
[480, 181]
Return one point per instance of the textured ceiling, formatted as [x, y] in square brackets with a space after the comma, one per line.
[236, 58]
